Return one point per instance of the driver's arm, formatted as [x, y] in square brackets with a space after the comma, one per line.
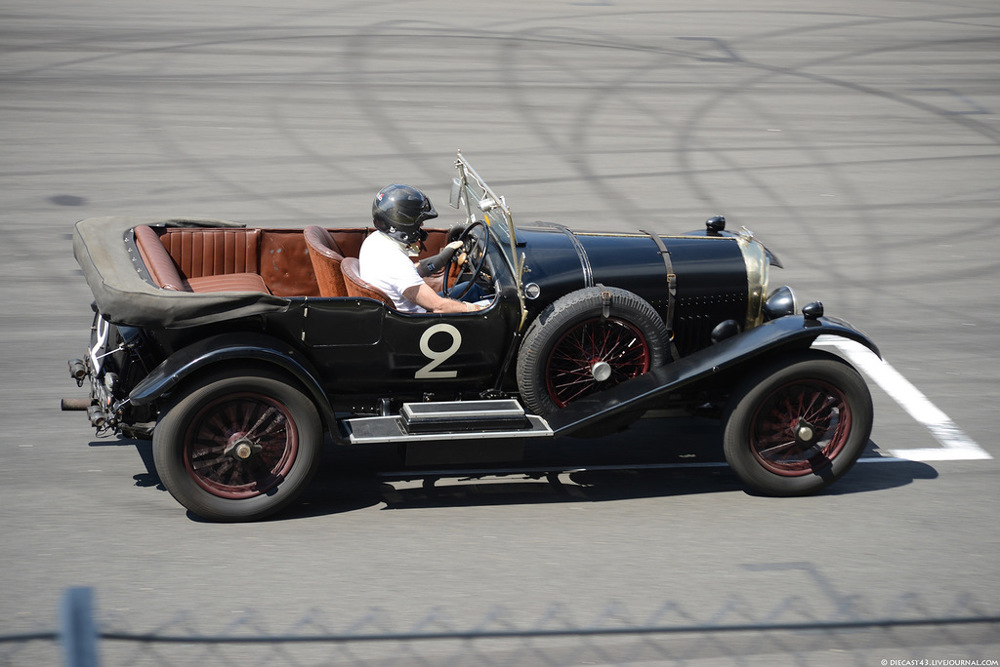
[425, 297]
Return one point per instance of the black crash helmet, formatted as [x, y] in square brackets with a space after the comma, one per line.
[400, 210]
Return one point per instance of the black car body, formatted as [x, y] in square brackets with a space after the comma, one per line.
[203, 326]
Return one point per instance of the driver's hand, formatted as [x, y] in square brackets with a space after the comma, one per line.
[454, 245]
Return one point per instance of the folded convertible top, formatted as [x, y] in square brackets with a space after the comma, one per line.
[102, 248]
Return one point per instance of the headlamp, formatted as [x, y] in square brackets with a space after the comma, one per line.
[781, 302]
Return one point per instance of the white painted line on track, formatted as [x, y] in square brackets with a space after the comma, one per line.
[955, 445]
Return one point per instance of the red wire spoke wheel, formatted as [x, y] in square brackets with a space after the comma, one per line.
[800, 428]
[237, 446]
[595, 354]
[587, 341]
[797, 423]
[241, 446]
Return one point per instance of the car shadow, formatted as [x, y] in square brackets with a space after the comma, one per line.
[624, 483]
[653, 458]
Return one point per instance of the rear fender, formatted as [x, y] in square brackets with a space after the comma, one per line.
[216, 351]
[792, 332]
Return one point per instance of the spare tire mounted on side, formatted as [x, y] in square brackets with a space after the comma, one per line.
[587, 341]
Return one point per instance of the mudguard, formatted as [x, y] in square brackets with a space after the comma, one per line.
[228, 348]
[792, 331]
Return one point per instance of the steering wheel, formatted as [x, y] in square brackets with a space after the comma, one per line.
[474, 248]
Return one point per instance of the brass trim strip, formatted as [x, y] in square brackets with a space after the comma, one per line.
[755, 258]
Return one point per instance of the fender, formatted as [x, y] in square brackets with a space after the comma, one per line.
[232, 347]
[791, 332]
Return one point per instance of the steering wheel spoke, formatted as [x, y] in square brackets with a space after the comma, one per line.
[474, 249]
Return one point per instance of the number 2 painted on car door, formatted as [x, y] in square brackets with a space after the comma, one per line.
[438, 357]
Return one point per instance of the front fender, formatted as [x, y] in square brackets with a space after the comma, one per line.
[223, 348]
[790, 332]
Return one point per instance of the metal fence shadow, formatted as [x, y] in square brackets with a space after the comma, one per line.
[790, 634]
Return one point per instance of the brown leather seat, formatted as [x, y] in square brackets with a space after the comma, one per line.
[326, 258]
[164, 271]
[229, 282]
[158, 263]
[203, 251]
[351, 269]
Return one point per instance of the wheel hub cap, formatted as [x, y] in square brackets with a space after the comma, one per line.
[805, 432]
[601, 371]
[242, 448]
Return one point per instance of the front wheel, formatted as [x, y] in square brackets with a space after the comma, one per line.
[238, 448]
[798, 424]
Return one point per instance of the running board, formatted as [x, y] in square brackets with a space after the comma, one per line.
[448, 420]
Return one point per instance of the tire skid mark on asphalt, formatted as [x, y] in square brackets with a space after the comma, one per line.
[955, 444]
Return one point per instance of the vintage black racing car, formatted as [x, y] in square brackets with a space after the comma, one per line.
[239, 349]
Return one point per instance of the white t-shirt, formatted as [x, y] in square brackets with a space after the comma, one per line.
[385, 264]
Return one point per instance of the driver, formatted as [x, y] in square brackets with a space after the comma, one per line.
[398, 213]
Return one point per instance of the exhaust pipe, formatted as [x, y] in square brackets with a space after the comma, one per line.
[77, 370]
[96, 416]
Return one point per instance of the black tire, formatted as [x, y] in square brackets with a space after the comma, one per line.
[556, 364]
[260, 443]
[797, 424]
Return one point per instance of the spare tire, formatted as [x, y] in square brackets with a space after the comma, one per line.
[585, 342]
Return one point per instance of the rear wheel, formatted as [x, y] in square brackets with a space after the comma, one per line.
[798, 424]
[238, 448]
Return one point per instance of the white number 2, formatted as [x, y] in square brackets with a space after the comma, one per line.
[438, 357]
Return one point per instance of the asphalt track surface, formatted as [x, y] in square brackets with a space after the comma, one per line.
[861, 140]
